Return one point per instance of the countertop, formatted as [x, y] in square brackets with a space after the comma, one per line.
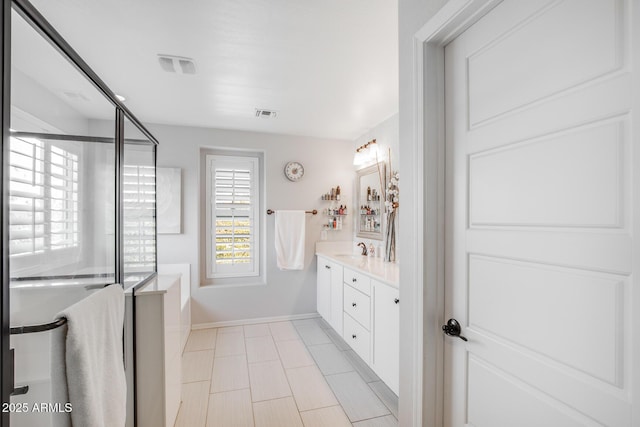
[376, 268]
[159, 284]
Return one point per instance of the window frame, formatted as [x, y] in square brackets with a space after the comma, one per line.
[251, 160]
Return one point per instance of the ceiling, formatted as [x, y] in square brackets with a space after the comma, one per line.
[329, 68]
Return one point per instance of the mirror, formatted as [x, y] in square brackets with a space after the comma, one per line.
[370, 202]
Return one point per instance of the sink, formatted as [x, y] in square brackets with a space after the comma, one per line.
[350, 256]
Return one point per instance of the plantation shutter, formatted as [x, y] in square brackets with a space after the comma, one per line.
[43, 197]
[139, 198]
[232, 215]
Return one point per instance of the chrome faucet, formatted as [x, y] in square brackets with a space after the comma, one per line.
[364, 248]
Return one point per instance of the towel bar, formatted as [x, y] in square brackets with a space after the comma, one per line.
[314, 212]
[38, 328]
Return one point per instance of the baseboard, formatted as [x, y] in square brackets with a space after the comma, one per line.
[240, 322]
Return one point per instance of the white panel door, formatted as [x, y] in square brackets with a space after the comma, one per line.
[540, 219]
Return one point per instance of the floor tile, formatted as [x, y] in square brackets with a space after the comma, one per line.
[231, 330]
[229, 344]
[323, 323]
[259, 330]
[361, 367]
[202, 339]
[306, 322]
[337, 339]
[294, 354]
[277, 413]
[268, 381]
[387, 421]
[330, 360]
[193, 410]
[313, 334]
[332, 416]
[357, 399]
[196, 365]
[231, 408]
[387, 396]
[261, 349]
[310, 389]
[229, 373]
[283, 331]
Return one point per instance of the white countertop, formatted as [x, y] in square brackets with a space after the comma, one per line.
[376, 268]
[159, 284]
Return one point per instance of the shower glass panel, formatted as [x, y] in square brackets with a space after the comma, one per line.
[63, 219]
[138, 206]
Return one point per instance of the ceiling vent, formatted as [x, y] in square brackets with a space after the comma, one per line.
[177, 64]
[76, 96]
[266, 114]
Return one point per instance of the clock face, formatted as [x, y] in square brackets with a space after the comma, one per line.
[294, 171]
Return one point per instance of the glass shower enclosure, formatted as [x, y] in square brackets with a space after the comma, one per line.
[78, 199]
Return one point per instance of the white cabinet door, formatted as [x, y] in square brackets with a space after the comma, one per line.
[336, 297]
[323, 285]
[386, 331]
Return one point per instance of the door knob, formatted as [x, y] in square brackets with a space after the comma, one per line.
[452, 328]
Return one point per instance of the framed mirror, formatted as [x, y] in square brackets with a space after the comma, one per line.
[370, 203]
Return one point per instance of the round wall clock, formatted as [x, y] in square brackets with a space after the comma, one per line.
[294, 171]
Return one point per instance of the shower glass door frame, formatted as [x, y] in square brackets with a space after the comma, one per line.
[30, 14]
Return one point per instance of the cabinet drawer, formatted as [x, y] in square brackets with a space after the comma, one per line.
[358, 281]
[357, 337]
[358, 306]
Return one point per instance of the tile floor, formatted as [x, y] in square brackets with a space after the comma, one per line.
[280, 374]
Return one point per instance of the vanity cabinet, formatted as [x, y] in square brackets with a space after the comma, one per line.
[368, 309]
[329, 292]
[386, 334]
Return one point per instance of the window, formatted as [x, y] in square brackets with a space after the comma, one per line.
[139, 198]
[43, 197]
[232, 220]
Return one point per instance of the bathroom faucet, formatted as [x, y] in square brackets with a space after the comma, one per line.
[364, 248]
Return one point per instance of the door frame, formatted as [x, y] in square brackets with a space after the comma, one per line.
[422, 343]
[422, 277]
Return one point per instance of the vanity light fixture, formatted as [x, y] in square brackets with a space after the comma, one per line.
[366, 153]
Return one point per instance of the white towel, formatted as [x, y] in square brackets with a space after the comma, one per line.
[93, 358]
[290, 239]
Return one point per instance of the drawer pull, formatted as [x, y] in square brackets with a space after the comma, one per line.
[354, 280]
[396, 300]
[353, 304]
[353, 336]
[328, 267]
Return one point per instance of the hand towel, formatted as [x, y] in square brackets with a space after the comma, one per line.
[93, 359]
[290, 239]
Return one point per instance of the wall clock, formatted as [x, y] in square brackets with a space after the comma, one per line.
[294, 171]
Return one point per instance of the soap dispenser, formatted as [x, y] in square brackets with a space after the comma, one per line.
[372, 250]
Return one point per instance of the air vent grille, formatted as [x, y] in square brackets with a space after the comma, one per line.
[177, 64]
[266, 114]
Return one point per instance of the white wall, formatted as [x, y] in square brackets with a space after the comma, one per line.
[328, 163]
[412, 15]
